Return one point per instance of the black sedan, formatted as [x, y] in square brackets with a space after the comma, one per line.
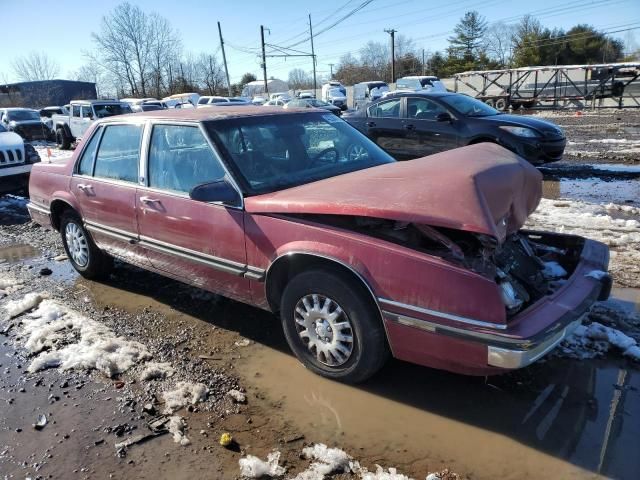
[414, 124]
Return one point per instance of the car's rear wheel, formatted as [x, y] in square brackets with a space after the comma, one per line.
[62, 140]
[332, 326]
[83, 253]
[501, 104]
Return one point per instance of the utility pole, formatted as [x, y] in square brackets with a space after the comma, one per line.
[392, 32]
[313, 57]
[224, 59]
[331, 67]
[264, 61]
[423, 69]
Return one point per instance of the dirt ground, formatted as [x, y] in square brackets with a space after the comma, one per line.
[563, 417]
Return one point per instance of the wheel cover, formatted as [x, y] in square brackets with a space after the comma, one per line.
[77, 244]
[357, 152]
[325, 329]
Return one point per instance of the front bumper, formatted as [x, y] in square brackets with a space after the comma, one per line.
[466, 346]
[13, 179]
[541, 151]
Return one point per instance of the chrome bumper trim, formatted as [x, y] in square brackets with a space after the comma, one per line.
[508, 358]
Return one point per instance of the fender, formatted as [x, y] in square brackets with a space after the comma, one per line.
[65, 128]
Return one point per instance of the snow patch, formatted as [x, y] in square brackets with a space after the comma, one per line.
[176, 428]
[155, 371]
[73, 341]
[185, 393]
[325, 462]
[381, 474]
[253, 467]
[588, 341]
[18, 307]
[237, 396]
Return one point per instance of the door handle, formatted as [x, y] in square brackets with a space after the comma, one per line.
[410, 127]
[84, 187]
[370, 124]
[149, 200]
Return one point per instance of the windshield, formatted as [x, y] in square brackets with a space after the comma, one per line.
[22, 115]
[318, 103]
[469, 107]
[111, 109]
[274, 152]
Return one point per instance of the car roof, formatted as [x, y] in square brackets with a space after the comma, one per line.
[420, 93]
[91, 102]
[213, 113]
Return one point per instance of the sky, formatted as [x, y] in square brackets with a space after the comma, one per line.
[63, 29]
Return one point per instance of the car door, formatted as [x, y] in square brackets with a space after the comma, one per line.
[104, 183]
[384, 126]
[75, 121]
[198, 242]
[425, 134]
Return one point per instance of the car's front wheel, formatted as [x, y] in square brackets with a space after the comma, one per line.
[62, 140]
[83, 253]
[332, 326]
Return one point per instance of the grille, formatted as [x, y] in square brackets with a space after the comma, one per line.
[10, 157]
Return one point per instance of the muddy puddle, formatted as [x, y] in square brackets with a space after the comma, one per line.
[17, 252]
[560, 419]
[593, 190]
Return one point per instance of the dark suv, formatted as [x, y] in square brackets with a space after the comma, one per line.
[415, 124]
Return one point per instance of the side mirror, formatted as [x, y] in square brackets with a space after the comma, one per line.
[444, 117]
[216, 191]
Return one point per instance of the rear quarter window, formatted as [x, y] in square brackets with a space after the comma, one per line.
[85, 166]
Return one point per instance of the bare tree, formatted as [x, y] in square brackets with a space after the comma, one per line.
[299, 79]
[35, 66]
[133, 46]
[165, 51]
[498, 43]
[210, 74]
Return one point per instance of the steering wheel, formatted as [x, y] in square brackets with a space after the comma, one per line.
[320, 156]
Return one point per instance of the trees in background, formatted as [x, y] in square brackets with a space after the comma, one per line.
[476, 44]
[35, 66]
[299, 79]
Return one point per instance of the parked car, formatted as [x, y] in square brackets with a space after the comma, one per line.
[417, 82]
[72, 126]
[284, 96]
[26, 122]
[180, 98]
[313, 103]
[298, 213]
[136, 103]
[414, 124]
[216, 100]
[16, 160]
[47, 112]
[335, 93]
[275, 103]
[367, 92]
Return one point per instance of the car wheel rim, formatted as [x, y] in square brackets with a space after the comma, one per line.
[357, 152]
[325, 329]
[77, 244]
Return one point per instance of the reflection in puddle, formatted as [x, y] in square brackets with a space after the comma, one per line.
[593, 190]
[558, 419]
[17, 252]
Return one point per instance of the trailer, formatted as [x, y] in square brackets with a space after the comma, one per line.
[614, 85]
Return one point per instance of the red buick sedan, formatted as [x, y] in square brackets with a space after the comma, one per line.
[298, 213]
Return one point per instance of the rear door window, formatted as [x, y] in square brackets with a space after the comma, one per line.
[119, 153]
[86, 111]
[76, 110]
[388, 109]
[85, 167]
[180, 158]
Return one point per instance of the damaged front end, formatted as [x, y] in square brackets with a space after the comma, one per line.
[526, 266]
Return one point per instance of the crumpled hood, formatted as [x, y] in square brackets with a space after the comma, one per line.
[480, 188]
[543, 126]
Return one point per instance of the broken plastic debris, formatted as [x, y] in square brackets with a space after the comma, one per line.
[253, 467]
[41, 422]
[327, 461]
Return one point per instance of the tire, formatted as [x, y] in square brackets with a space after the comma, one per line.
[351, 361]
[62, 140]
[88, 260]
[501, 104]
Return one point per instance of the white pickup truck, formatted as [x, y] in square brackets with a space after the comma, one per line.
[82, 113]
